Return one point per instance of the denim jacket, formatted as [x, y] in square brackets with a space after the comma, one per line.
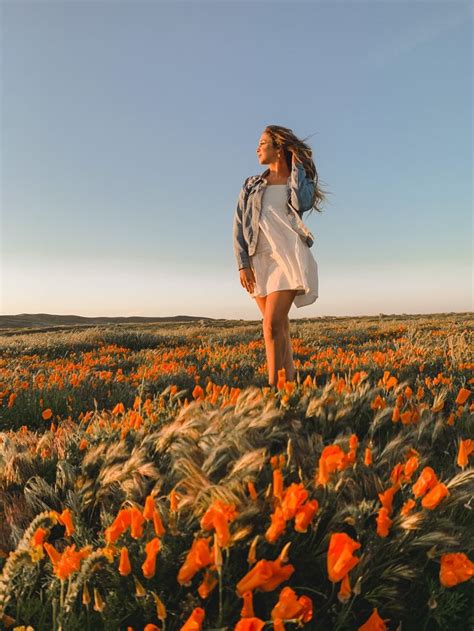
[249, 205]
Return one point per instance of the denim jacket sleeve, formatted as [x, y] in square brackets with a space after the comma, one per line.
[240, 246]
[302, 189]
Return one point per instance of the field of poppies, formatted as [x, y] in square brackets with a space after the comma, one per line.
[149, 478]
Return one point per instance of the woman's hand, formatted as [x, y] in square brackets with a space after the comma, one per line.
[247, 279]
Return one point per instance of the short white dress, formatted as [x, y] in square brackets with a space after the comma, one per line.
[282, 259]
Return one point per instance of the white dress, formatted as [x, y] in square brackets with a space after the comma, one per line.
[282, 259]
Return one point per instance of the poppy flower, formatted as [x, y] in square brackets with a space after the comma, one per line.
[295, 496]
[305, 514]
[455, 568]
[217, 517]
[265, 575]
[411, 465]
[290, 606]
[340, 559]
[434, 497]
[118, 526]
[65, 518]
[149, 564]
[426, 481]
[374, 623]
[136, 523]
[333, 458]
[466, 448]
[386, 498]
[67, 562]
[149, 509]
[158, 524]
[383, 522]
[199, 556]
[463, 396]
[407, 507]
[124, 565]
[209, 581]
[396, 475]
[368, 457]
[277, 527]
[36, 544]
[195, 620]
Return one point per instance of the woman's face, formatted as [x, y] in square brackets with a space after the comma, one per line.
[266, 152]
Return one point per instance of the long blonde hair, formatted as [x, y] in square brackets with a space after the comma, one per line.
[285, 138]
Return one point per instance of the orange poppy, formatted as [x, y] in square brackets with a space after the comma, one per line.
[124, 566]
[38, 536]
[463, 396]
[149, 508]
[136, 523]
[305, 514]
[340, 559]
[386, 498]
[374, 623]
[149, 564]
[368, 457]
[265, 575]
[209, 581]
[434, 496]
[411, 466]
[295, 496]
[332, 458]
[407, 507]
[426, 481]
[65, 518]
[396, 475]
[466, 448]
[455, 568]
[195, 620]
[118, 526]
[290, 606]
[199, 556]
[383, 522]
[277, 527]
[67, 562]
[158, 524]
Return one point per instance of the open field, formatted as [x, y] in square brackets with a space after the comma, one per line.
[150, 480]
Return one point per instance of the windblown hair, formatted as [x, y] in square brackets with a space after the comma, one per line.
[285, 138]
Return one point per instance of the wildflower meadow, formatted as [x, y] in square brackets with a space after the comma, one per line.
[151, 480]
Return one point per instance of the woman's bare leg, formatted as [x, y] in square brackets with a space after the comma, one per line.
[288, 358]
[275, 323]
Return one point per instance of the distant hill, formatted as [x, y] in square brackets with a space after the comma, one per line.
[47, 320]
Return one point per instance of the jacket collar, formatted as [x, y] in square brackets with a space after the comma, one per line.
[261, 178]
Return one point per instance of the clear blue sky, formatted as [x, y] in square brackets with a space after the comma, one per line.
[127, 129]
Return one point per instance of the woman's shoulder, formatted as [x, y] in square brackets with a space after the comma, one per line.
[251, 180]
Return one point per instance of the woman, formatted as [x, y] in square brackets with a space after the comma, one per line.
[271, 243]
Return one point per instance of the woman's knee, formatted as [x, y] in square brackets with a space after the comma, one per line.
[274, 326]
